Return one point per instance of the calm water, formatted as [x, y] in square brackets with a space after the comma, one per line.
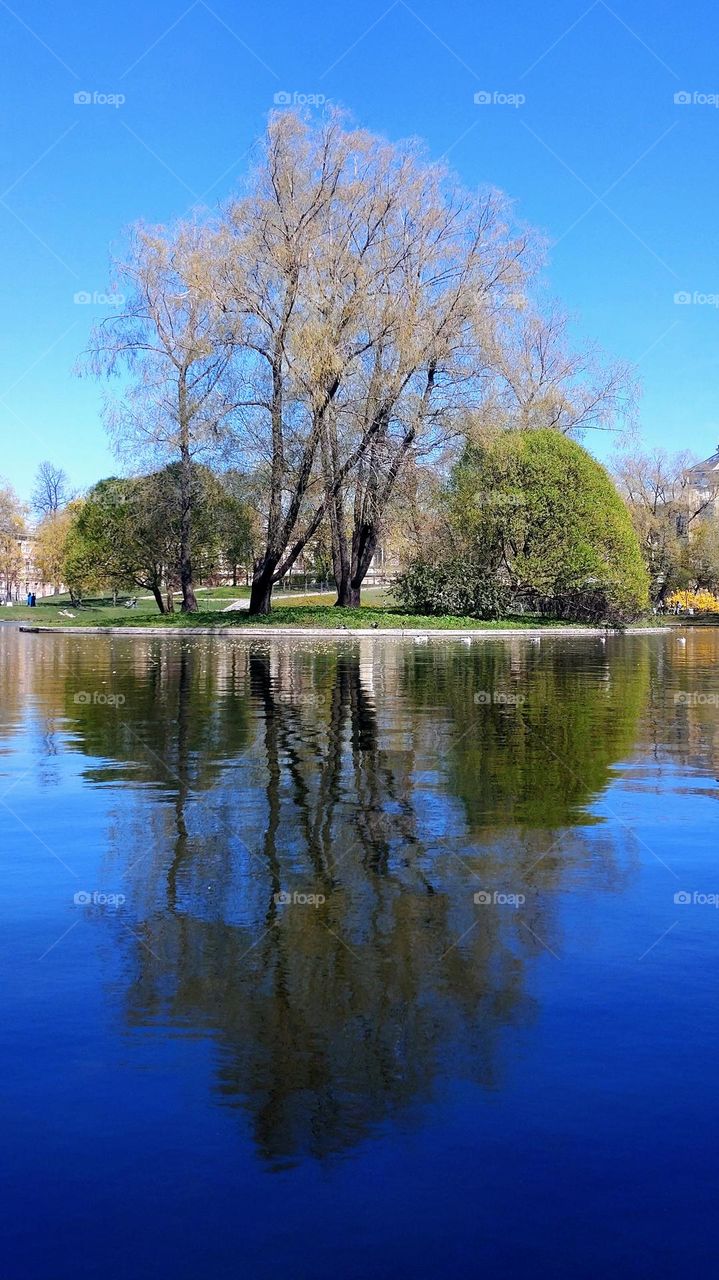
[277, 1034]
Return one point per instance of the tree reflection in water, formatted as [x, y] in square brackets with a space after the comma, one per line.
[369, 774]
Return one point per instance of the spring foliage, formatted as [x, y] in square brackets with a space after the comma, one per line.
[535, 524]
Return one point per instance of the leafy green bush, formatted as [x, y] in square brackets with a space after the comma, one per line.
[452, 587]
[536, 523]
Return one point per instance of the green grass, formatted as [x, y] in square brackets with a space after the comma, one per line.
[377, 611]
[100, 611]
[47, 612]
[315, 615]
[367, 617]
[225, 593]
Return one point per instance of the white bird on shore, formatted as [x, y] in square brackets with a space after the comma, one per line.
[681, 640]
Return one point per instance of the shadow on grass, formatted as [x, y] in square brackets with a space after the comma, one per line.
[326, 617]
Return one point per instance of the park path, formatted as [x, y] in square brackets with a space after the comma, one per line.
[277, 599]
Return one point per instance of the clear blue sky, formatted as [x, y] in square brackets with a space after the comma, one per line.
[622, 180]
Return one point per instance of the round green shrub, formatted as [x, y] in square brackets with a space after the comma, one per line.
[536, 520]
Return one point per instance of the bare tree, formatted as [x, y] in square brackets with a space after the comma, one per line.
[51, 490]
[542, 380]
[456, 268]
[347, 315]
[300, 271]
[172, 340]
[666, 500]
[360, 284]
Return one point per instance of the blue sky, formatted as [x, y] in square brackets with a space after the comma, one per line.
[621, 179]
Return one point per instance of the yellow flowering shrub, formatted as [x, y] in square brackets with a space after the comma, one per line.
[699, 601]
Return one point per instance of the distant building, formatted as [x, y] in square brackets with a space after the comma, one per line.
[384, 568]
[703, 484]
[28, 577]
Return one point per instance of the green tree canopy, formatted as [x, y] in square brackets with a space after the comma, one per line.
[533, 515]
[127, 532]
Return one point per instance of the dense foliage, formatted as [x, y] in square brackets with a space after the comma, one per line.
[127, 532]
[534, 524]
[451, 587]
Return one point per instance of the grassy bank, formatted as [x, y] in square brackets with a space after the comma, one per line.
[306, 611]
[299, 615]
[325, 617]
[214, 601]
[53, 611]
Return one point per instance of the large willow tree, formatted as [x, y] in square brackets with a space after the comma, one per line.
[337, 322]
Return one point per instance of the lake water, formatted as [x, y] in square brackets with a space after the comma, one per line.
[360, 958]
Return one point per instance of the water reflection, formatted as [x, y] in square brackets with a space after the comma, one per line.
[391, 781]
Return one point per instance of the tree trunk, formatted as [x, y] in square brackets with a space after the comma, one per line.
[340, 552]
[261, 591]
[335, 512]
[158, 598]
[189, 601]
[373, 495]
[348, 595]
[342, 583]
[364, 545]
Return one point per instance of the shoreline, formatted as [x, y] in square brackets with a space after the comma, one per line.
[400, 633]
